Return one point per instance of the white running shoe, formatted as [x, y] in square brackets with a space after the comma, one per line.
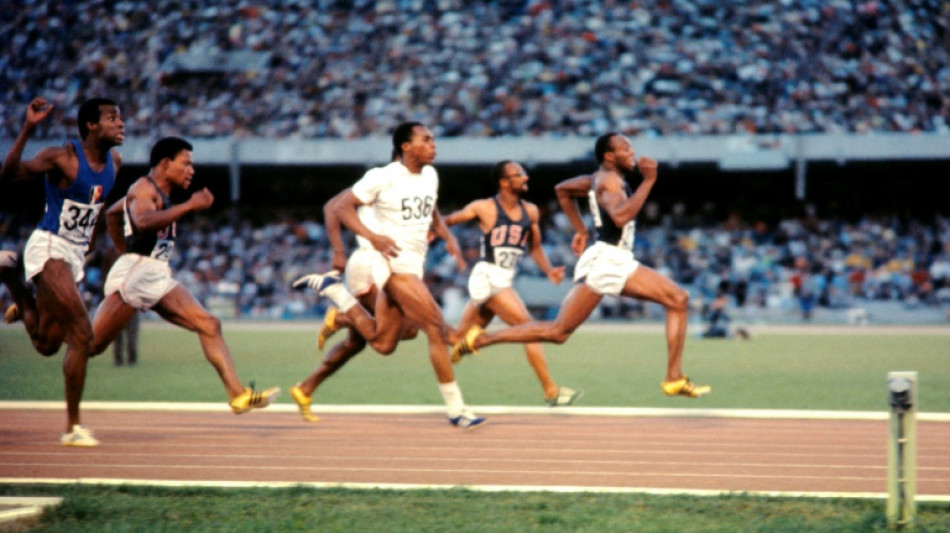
[79, 436]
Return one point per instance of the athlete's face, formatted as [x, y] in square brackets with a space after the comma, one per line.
[517, 178]
[181, 169]
[624, 156]
[421, 146]
[110, 126]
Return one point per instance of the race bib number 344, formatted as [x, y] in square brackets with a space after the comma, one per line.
[76, 220]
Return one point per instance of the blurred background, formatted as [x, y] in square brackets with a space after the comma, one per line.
[804, 145]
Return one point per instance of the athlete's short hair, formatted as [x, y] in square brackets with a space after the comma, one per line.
[602, 146]
[498, 172]
[168, 147]
[402, 134]
[89, 113]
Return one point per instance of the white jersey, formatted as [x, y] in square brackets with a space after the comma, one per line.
[367, 216]
[403, 203]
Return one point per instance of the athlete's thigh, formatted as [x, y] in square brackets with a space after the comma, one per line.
[414, 299]
[389, 320]
[509, 307]
[473, 314]
[57, 296]
[181, 308]
[649, 284]
[577, 306]
[111, 317]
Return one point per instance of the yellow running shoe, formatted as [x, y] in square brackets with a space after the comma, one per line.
[329, 327]
[684, 387]
[13, 314]
[303, 403]
[252, 399]
[466, 345]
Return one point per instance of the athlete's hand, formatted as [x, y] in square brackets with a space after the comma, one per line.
[385, 245]
[556, 275]
[38, 110]
[579, 242]
[201, 200]
[452, 246]
[648, 168]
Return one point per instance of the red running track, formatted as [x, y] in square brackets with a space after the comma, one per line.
[556, 451]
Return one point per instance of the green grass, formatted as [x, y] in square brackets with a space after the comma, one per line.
[772, 371]
[837, 372]
[135, 509]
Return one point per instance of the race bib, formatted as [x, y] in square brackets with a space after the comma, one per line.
[508, 257]
[77, 221]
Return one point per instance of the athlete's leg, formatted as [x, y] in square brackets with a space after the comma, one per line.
[416, 302]
[182, 309]
[338, 356]
[577, 306]
[512, 310]
[649, 284]
[111, 318]
[46, 333]
[61, 303]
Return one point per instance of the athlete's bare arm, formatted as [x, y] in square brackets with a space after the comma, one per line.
[114, 223]
[568, 191]
[555, 274]
[346, 213]
[148, 213]
[451, 243]
[611, 195]
[483, 210]
[332, 224]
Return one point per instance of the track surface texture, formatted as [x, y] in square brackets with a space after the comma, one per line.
[557, 451]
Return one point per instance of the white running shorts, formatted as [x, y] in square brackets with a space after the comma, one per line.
[407, 262]
[141, 281]
[605, 268]
[43, 246]
[364, 268]
[488, 279]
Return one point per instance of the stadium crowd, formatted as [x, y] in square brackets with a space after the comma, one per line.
[240, 269]
[334, 69]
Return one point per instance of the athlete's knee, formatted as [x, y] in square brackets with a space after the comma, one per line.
[559, 335]
[384, 346]
[47, 347]
[208, 325]
[680, 300]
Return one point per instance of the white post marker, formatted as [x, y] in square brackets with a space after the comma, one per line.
[902, 450]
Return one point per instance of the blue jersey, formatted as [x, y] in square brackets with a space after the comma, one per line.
[72, 213]
[505, 242]
[155, 244]
[604, 228]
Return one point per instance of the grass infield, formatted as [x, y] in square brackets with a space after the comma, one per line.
[826, 369]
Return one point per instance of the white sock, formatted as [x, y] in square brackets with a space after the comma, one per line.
[452, 395]
[340, 296]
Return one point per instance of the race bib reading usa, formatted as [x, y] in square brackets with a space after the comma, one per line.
[77, 220]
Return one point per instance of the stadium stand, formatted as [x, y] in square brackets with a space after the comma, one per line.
[331, 69]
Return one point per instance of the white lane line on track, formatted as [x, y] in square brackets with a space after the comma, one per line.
[485, 409]
[477, 488]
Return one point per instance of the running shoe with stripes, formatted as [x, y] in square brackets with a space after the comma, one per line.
[253, 399]
[466, 345]
[303, 403]
[329, 327]
[467, 420]
[684, 387]
[318, 283]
